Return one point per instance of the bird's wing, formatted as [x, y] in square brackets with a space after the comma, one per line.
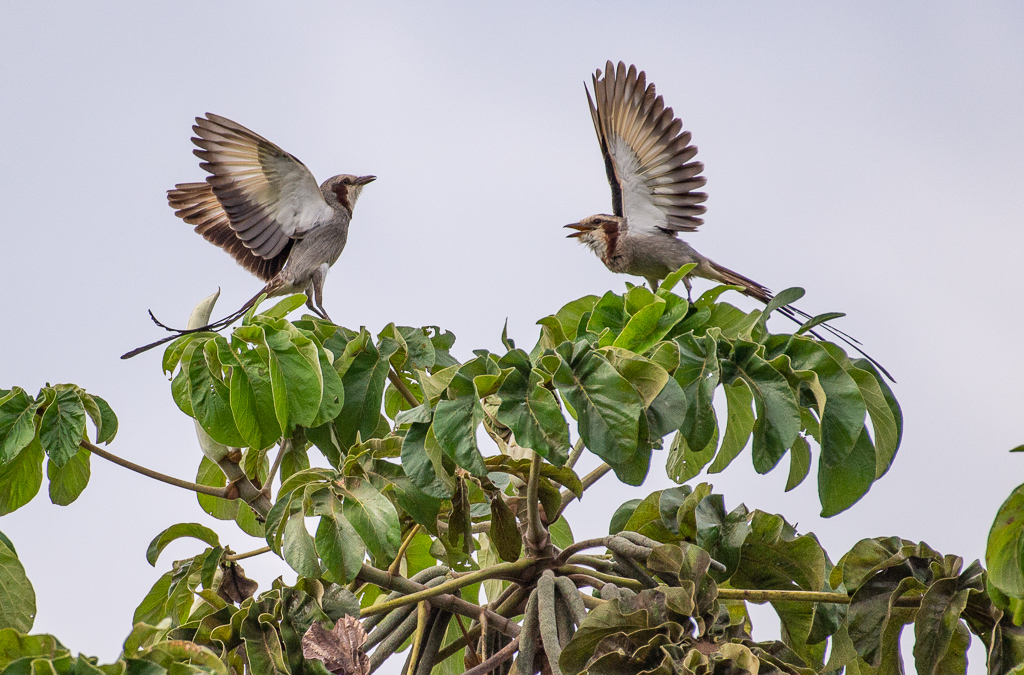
[196, 204]
[269, 196]
[646, 153]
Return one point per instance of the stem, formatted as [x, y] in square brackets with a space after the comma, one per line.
[393, 568]
[579, 546]
[587, 481]
[760, 596]
[577, 452]
[284, 447]
[156, 475]
[422, 614]
[393, 582]
[500, 656]
[503, 569]
[508, 607]
[402, 388]
[533, 526]
[249, 554]
[624, 582]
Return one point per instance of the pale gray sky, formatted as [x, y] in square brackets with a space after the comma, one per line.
[870, 152]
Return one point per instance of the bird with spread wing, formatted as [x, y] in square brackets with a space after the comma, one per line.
[655, 186]
[262, 205]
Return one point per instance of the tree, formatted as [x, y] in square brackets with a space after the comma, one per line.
[413, 513]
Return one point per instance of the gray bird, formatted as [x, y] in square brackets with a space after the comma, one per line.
[654, 181]
[262, 205]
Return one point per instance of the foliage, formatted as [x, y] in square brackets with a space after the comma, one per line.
[391, 509]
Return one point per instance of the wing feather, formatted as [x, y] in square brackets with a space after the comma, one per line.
[196, 204]
[268, 196]
[647, 153]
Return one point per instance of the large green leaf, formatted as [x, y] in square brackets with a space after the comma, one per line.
[1004, 554]
[67, 482]
[193, 530]
[778, 416]
[840, 486]
[298, 548]
[374, 517]
[739, 424]
[608, 406]
[251, 391]
[774, 556]
[364, 370]
[17, 598]
[938, 620]
[209, 396]
[62, 427]
[337, 542]
[423, 463]
[294, 375]
[722, 534]
[17, 423]
[455, 424]
[698, 374]
[21, 477]
[532, 412]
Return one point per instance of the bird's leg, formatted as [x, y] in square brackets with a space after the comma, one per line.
[316, 300]
[689, 288]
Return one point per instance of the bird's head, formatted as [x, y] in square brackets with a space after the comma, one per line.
[600, 233]
[346, 188]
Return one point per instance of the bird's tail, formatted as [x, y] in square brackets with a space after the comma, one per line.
[755, 290]
[214, 326]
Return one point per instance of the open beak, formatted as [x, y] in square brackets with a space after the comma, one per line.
[363, 180]
[580, 230]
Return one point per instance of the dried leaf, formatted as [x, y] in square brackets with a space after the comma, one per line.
[340, 649]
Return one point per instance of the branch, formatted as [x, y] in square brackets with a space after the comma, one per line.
[577, 452]
[455, 605]
[587, 481]
[248, 554]
[284, 446]
[623, 582]
[495, 571]
[533, 526]
[156, 475]
[402, 388]
[761, 596]
[500, 656]
[509, 607]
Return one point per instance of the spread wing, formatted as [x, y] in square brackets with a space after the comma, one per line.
[196, 204]
[646, 154]
[268, 195]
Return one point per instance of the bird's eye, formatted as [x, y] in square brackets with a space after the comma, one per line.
[346, 181]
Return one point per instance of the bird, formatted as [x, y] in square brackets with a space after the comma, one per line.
[655, 185]
[263, 207]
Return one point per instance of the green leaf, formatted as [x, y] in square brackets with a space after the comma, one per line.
[778, 416]
[818, 320]
[295, 375]
[646, 519]
[799, 462]
[739, 424]
[364, 376]
[337, 542]
[622, 516]
[773, 556]
[17, 423]
[455, 424]
[669, 282]
[561, 534]
[209, 396]
[67, 482]
[422, 461]
[570, 314]
[840, 486]
[106, 428]
[298, 548]
[609, 312]
[698, 374]
[639, 332]
[421, 352]
[936, 623]
[209, 474]
[262, 645]
[1004, 553]
[684, 462]
[883, 421]
[721, 534]
[193, 530]
[373, 517]
[21, 477]
[608, 406]
[17, 598]
[63, 425]
[251, 391]
[285, 307]
[504, 533]
[333, 398]
[532, 412]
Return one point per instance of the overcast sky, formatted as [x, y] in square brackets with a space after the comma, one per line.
[870, 152]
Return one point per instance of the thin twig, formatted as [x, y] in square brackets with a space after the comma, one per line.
[512, 569]
[587, 481]
[500, 656]
[533, 526]
[579, 546]
[156, 475]
[451, 603]
[402, 388]
[284, 446]
[510, 607]
[577, 452]
[394, 568]
[623, 582]
[247, 554]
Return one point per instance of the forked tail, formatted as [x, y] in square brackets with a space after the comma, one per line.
[755, 290]
[214, 326]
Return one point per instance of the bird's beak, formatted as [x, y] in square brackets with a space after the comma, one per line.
[363, 180]
[580, 230]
